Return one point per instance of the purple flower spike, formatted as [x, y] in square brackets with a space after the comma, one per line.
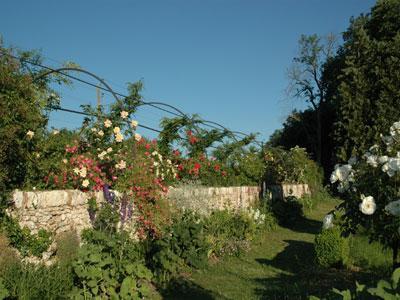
[108, 194]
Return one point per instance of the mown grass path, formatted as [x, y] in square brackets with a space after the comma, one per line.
[280, 265]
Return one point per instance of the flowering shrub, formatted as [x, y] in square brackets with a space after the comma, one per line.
[201, 169]
[292, 166]
[370, 186]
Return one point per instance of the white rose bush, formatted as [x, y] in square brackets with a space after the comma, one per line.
[370, 186]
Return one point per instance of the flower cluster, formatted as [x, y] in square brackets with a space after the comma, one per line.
[256, 216]
[370, 186]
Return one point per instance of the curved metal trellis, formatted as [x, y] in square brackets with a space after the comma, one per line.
[59, 70]
[108, 88]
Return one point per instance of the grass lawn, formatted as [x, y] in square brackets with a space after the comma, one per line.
[281, 265]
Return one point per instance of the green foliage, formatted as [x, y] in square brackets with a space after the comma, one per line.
[23, 240]
[67, 247]
[292, 166]
[183, 243]
[110, 266]
[48, 158]
[331, 248]
[8, 256]
[26, 281]
[287, 211]
[229, 233]
[383, 290]
[21, 112]
[368, 94]
[107, 218]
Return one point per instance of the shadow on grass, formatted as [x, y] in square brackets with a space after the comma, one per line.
[301, 277]
[182, 288]
[303, 225]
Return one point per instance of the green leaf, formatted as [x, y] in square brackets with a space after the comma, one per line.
[128, 287]
[3, 291]
[346, 294]
[396, 277]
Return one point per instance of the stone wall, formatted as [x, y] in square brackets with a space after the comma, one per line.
[206, 199]
[64, 210]
[57, 211]
[280, 192]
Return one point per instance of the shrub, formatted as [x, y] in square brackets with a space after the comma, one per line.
[23, 240]
[331, 248]
[8, 256]
[293, 166]
[67, 247]
[287, 211]
[229, 233]
[183, 243]
[110, 265]
[27, 281]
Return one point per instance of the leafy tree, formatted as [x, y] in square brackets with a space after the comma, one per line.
[368, 85]
[306, 79]
[22, 115]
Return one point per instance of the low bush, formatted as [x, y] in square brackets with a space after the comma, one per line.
[229, 233]
[67, 247]
[27, 281]
[183, 243]
[332, 250]
[23, 240]
[288, 210]
[110, 266]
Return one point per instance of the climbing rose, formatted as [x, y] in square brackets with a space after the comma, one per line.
[124, 114]
[30, 134]
[107, 123]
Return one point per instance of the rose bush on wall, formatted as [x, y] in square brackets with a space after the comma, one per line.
[370, 186]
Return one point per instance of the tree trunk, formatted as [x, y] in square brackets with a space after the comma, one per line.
[319, 136]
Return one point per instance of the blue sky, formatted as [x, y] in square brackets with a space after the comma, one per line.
[223, 59]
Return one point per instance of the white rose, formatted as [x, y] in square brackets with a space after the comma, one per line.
[383, 159]
[367, 206]
[117, 130]
[107, 123]
[124, 114]
[327, 222]
[85, 183]
[134, 124]
[100, 133]
[83, 172]
[30, 134]
[119, 138]
[372, 160]
[109, 150]
[393, 208]
[138, 137]
[121, 165]
[102, 154]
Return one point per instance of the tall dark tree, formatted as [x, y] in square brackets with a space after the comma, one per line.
[306, 79]
[368, 94]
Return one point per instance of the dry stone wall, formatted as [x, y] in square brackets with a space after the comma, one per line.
[206, 199]
[65, 210]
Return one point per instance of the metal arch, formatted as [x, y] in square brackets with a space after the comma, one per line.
[164, 104]
[82, 71]
[223, 127]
